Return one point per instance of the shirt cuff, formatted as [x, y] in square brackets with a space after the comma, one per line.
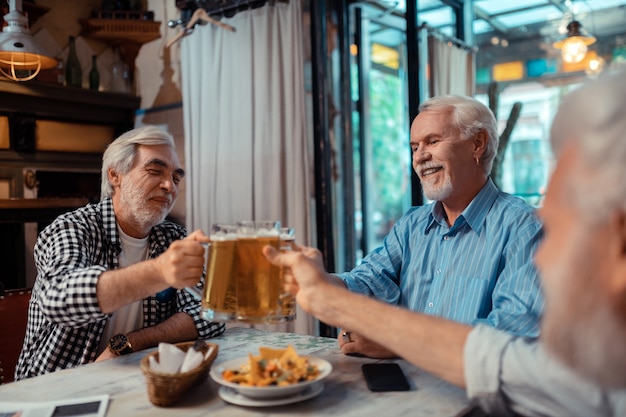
[483, 353]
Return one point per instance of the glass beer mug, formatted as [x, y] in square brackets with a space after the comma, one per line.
[240, 284]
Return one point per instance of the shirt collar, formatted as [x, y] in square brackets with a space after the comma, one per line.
[476, 211]
[478, 208]
[110, 223]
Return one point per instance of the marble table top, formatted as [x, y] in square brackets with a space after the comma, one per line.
[345, 392]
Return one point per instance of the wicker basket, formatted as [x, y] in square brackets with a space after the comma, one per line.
[166, 389]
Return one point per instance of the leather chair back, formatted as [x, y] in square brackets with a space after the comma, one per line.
[13, 318]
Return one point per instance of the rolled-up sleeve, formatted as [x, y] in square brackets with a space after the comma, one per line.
[508, 375]
[483, 361]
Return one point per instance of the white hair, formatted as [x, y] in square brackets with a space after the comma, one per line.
[468, 116]
[593, 118]
[120, 154]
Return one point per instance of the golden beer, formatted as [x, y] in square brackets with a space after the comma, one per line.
[220, 293]
[286, 300]
[240, 283]
[257, 281]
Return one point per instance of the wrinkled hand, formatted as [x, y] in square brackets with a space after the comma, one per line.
[358, 345]
[305, 263]
[181, 264]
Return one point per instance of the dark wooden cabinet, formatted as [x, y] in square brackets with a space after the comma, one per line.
[40, 179]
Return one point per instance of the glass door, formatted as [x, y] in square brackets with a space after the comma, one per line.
[382, 161]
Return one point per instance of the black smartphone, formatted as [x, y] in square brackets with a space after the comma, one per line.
[385, 377]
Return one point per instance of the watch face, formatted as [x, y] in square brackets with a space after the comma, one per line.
[119, 344]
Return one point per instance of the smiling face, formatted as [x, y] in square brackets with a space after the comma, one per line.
[580, 261]
[144, 196]
[446, 164]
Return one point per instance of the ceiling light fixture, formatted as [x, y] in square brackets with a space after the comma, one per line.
[21, 58]
[574, 44]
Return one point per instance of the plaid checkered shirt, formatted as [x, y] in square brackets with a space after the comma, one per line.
[65, 322]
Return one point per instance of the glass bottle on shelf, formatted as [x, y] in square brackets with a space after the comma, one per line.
[73, 72]
[120, 76]
[60, 72]
[94, 75]
[108, 9]
[136, 6]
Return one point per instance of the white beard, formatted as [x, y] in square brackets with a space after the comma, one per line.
[135, 205]
[437, 193]
[579, 326]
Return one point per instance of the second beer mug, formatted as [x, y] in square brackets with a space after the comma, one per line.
[240, 284]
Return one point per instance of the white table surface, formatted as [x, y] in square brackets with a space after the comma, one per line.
[345, 391]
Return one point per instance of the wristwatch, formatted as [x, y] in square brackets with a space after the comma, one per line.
[120, 345]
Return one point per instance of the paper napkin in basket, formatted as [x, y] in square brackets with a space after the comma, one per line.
[192, 359]
[173, 360]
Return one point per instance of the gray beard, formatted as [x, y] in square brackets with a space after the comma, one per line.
[579, 326]
[141, 215]
[595, 348]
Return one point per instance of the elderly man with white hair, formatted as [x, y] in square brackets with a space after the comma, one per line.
[110, 276]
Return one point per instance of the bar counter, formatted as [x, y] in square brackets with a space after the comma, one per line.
[345, 391]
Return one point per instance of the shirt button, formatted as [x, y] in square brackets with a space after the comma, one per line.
[439, 271]
[446, 238]
[431, 305]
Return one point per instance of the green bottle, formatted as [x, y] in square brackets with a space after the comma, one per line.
[94, 75]
[73, 73]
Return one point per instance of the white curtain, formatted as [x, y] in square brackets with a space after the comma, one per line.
[452, 68]
[245, 123]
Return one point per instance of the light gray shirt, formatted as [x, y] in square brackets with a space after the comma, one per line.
[507, 375]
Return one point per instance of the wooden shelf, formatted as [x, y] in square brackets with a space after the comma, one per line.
[37, 209]
[57, 102]
[41, 203]
[122, 30]
[128, 34]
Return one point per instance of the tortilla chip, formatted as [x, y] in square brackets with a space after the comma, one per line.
[255, 372]
[270, 353]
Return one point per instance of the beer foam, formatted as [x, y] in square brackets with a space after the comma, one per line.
[223, 236]
[267, 232]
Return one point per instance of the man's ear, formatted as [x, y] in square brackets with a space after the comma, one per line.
[480, 140]
[114, 177]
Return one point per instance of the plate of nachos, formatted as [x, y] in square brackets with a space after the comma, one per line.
[273, 373]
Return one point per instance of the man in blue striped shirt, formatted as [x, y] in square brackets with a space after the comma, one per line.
[468, 256]
[576, 368]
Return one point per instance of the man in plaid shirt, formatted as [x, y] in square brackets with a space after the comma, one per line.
[111, 275]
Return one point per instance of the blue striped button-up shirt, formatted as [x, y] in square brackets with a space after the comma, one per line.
[480, 269]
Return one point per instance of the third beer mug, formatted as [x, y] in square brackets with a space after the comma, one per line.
[240, 283]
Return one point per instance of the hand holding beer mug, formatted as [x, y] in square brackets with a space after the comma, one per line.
[240, 284]
[287, 301]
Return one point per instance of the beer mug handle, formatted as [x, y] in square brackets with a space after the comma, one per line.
[194, 291]
[287, 238]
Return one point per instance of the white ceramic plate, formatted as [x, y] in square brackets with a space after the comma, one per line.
[270, 392]
[231, 396]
